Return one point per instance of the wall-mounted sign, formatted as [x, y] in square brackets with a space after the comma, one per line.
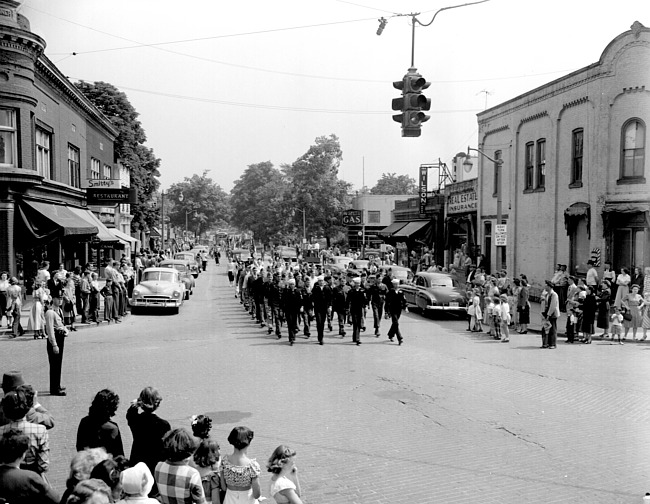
[424, 173]
[462, 202]
[500, 235]
[352, 218]
[103, 184]
[105, 196]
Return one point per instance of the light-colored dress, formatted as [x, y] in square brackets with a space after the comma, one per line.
[239, 476]
[623, 283]
[279, 484]
[37, 313]
[633, 301]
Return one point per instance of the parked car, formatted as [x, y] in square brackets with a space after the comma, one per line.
[159, 288]
[357, 266]
[402, 273]
[184, 268]
[431, 292]
[195, 267]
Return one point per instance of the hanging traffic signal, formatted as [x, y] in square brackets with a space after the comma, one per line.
[412, 103]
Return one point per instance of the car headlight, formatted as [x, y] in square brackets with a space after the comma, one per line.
[136, 292]
[176, 293]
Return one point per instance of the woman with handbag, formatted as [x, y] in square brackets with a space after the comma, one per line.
[69, 301]
[623, 281]
[632, 318]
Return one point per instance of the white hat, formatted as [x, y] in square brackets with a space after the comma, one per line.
[395, 281]
[320, 277]
[137, 480]
[291, 281]
[357, 280]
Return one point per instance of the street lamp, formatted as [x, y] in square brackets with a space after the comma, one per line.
[467, 163]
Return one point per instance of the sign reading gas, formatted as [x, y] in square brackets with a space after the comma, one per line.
[352, 218]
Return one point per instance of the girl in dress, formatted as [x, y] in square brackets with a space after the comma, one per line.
[37, 313]
[632, 302]
[284, 486]
[207, 459]
[475, 312]
[240, 474]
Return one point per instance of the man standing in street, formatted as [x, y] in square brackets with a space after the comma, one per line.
[56, 334]
[395, 303]
[377, 295]
[357, 301]
[321, 299]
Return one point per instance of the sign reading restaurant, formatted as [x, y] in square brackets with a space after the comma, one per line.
[462, 197]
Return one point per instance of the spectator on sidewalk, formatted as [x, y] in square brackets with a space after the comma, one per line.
[4, 298]
[56, 334]
[81, 467]
[240, 474]
[20, 486]
[179, 483]
[91, 491]
[552, 313]
[136, 483]
[14, 293]
[207, 460]
[37, 413]
[284, 486]
[97, 430]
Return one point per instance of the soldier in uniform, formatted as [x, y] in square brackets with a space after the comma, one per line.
[395, 302]
[292, 304]
[339, 304]
[274, 300]
[357, 301]
[377, 296]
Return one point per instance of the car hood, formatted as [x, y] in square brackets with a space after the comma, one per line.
[155, 287]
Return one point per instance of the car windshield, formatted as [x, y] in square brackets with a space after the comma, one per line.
[158, 276]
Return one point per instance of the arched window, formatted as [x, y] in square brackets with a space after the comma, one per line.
[633, 150]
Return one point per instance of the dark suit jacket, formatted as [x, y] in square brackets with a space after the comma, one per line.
[18, 486]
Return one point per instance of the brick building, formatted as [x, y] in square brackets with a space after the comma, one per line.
[574, 177]
[52, 139]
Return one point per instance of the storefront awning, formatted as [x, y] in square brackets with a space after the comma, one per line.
[123, 237]
[410, 229]
[575, 213]
[47, 221]
[103, 236]
[611, 210]
[394, 227]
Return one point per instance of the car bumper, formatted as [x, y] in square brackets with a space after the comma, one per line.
[157, 302]
[448, 308]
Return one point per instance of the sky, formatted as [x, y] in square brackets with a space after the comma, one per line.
[220, 85]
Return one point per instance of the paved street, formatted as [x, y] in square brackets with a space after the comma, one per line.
[449, 417]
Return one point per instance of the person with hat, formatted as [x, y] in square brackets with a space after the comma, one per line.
[11, 380]
[339, 303]
[292, 305]
[357, 300]
[136, 483]
[395, 303]
[377, 295]
[551, 314]
[56, 333]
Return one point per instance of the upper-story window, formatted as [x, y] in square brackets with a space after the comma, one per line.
[44, 153]
[107, 171]
[541, 163]
[8, 132]
[374, 216]
[497, 172]
[633, 151]
[74, 166]
[577, 148]
[95, 167]
[530, 167]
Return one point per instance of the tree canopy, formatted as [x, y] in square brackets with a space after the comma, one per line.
[129, 146]
[391, 183]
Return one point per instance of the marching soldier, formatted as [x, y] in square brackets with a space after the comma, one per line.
[292, 303]
[395, 302]
[321, 299]
[356, 302]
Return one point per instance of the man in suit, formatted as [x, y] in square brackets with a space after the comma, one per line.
[395, 303]
[321, 299]
[292, 304]
[357, 301]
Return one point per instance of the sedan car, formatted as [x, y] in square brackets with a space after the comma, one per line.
[191, 258]
[184, 268]
[431, 292]
[159, 288]
[401, 273]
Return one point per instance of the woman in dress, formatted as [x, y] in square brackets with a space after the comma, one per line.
[69, 301]
[37, 313]
[588, 315]
[632, 302]
[645, 288]
[240, 474]
[622, 286]
[637, 278]
[284, 486]
[604, 295]
[523, 308]
[645, 314]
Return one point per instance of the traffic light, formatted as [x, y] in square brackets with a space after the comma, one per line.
[412, 103]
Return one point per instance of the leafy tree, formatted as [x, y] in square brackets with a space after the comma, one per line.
[316, 188]
[391, 183]
[199, 202]
[129, 146]
[258, 202]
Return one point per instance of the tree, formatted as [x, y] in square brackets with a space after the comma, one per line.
[129, 147]
[316, 188]
[199, 202]
[258, 202]
[391, 183]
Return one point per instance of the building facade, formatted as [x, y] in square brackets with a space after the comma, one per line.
[376, 213]
[573, 184]
[52, 140]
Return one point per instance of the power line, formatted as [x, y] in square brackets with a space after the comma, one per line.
[269, 107]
